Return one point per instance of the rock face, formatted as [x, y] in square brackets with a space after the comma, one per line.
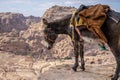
[32, 20]
[15, 45]
[12, 27]
[58, 12]
[10, 21]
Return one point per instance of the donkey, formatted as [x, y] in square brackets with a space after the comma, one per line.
[111, 29]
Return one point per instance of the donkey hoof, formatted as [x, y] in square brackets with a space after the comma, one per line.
[83, 68]
[113, 79]
[74, 69]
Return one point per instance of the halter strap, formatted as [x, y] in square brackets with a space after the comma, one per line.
[46, 36]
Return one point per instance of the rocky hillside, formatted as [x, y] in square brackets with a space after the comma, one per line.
[58, 12]
[9, 21]
[32, 20]
[12, 28]
[17, 21]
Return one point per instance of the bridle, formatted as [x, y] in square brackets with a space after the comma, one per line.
[46, 36]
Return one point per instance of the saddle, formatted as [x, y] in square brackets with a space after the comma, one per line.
[111, 13]
[92, 17]
[114, 15]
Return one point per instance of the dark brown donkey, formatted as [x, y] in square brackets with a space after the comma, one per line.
[111, 29]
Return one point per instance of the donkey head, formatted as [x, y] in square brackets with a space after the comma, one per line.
[50, 34]
[52, 29]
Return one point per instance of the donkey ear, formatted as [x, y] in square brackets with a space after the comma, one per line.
[45, 21]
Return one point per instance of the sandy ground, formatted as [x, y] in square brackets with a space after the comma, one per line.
[92, 72]
[17, 67]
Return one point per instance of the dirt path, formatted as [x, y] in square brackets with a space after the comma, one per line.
[64, 72]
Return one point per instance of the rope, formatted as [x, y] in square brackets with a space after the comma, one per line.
[73, 34]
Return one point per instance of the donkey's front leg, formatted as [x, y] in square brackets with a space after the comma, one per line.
[81, 52]
[76, 54]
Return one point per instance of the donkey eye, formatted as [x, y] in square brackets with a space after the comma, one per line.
[48, 28]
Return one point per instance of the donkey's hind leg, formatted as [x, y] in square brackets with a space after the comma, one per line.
[76, 54]
[116, 75]
[81, 52]
[117, 57]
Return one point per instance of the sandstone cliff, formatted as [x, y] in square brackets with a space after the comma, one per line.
[17, 21]
[9, 21]
[12, 27]
[58, 12]
[32, 20]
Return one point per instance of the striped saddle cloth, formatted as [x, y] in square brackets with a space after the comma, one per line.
[114, 15]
